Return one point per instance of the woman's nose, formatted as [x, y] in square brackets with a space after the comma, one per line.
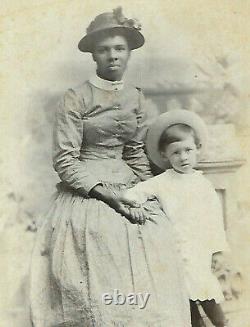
[112, 54]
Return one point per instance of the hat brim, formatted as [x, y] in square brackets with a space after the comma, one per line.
[134, 37]
[167, 119]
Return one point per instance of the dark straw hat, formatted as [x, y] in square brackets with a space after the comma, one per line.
[115, 20]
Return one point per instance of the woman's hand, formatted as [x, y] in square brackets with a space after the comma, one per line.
[138, 215]
[128, 208]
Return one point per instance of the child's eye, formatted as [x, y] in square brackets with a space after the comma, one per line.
[189, 150]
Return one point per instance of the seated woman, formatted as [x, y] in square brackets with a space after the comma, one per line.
[87, 251]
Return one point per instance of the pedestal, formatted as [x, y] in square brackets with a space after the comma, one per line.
[222, 175]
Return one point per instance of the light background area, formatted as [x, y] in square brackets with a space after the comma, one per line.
[40, 60]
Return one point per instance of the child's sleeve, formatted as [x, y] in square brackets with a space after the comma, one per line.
[142, 191]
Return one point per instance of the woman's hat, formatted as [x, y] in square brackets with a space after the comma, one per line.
[167, 119]
[113, 21]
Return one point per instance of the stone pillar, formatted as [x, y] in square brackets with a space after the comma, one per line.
[222, 160]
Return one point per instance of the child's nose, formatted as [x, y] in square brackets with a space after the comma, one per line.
[183, 155]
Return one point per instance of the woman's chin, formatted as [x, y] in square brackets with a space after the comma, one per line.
[113, 74]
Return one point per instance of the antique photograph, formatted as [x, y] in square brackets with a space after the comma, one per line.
[125, 163]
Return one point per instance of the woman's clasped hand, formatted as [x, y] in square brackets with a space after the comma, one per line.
[132, 210]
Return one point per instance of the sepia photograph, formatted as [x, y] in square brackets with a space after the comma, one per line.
[125, 163]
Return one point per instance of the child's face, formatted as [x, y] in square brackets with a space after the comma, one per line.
[182, 155]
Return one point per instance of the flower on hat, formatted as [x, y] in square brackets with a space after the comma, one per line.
[122, 20]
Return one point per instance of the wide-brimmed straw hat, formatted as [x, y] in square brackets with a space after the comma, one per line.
[115, 20]
[167, 119]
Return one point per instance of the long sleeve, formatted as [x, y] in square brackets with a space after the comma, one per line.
[67, 142]
[133, 152]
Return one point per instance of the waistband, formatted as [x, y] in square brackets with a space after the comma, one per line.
[101, 152]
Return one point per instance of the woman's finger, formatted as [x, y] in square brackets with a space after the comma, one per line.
[134, 217]
[141, 221]
[137, 216]
[141, 218]
[144, 216]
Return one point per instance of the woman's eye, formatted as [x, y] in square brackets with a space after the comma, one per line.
[120, 48]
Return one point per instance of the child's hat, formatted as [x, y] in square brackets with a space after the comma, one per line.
[167, 119]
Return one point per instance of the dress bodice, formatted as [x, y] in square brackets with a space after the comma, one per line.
[109, 122]
[99, 137]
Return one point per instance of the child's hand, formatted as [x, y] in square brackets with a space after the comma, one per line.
[138, 215]
[218, 261]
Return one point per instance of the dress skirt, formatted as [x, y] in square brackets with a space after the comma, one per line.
[201, 282]
[85, 249]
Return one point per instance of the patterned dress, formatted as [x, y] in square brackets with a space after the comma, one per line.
[84, 248]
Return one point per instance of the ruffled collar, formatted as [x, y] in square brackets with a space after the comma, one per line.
[105, 84]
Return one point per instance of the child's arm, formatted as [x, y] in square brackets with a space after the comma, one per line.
[141, 192]
[138, 195]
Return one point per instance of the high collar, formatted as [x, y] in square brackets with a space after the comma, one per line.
[105, 84]
[173, 172]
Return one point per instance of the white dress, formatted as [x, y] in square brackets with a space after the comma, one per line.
[192, 205]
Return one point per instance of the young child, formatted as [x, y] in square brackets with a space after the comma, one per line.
[189, 200]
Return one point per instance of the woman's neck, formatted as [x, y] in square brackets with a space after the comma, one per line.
[109, 78]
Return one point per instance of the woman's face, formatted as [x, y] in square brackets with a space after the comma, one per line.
[111, 54]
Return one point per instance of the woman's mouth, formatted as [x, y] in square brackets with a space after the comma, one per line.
[113, 66]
